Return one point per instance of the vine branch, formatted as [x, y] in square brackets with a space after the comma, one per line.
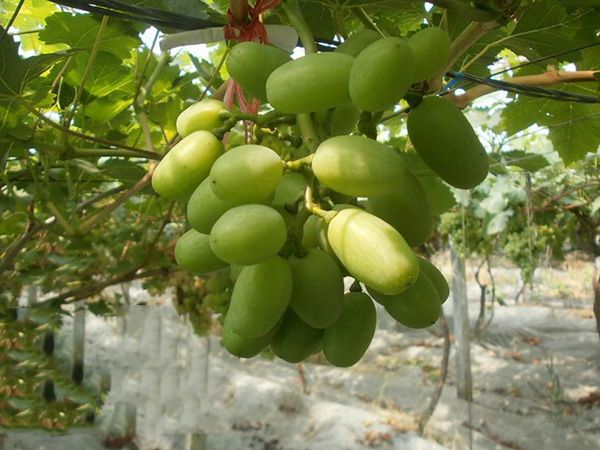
[88, 224]
[471, 34]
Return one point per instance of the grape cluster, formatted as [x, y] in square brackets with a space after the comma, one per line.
[284, 219]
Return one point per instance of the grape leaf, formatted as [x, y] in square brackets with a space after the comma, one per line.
[106, 75]
[546, 28]
[81, 30]
[527, 161]
[16, 72]
[572, 127]
[319, 18]
[106, 108]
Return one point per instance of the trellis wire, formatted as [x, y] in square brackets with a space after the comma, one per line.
[456, 80]
[530, 91]
[160, 18]
[150, 16]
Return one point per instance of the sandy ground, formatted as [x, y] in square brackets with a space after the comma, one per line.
[536, 382]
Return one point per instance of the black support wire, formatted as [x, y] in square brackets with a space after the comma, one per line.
[163, 19]
[530, 91]
[151, 16]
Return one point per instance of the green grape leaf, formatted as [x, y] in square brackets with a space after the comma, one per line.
[319, 19]
[527, 161]
[123, 170]
[12, 223]
[106, 75]
[439, 194]
[16, 72]
[496, 167]
[572, 127]
[106, 108]
[546, 28]
[79, 31]
[100, 308]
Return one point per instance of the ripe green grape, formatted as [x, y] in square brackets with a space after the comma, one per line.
[295, 340]
[204, 208]
[204, 115]
[406, 209]
[437, 279]
[218, 282]
[312, 83]
[248, 234]
[245, 347]
[246, 174]
[418, 306]
[343, 120]
[431, 47]
[193, 253]
[218, 302]
[358, 166]
[251, 63]
[446, 141]
[310, 232]
[260, 296]
[345, 343]
[357, 42]
[289, 190]
[372, 251]
[381, 74]
[318, 294]
[187, 164]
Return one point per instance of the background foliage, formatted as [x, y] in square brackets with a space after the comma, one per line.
[88, 103]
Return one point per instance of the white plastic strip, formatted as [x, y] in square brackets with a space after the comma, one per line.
[281, 36]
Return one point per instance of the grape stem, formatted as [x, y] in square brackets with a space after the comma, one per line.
[298, 164]
[366, 20]
[315, 208]
[260, 120]
[308, 132]
[294, 14]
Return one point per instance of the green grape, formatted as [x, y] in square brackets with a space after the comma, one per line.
[251, 63]
[437, 279]
[318, 293]
[248, 234]
[357, 42]
[295, 340]
[358, 166]
[204, 208]
[381, 74]
[246, 174]
[372, 251]
[407, 210]
[245, 347]
[187, 164]
[217, 299]
[447, 143]
[343, 120]
[289, 190]
[218, 282]
[345, 343]
[204, 115]
[431, 47]
[418, 306]
[311, 232]
[194, 254]
[260, 296]
[312, 83]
